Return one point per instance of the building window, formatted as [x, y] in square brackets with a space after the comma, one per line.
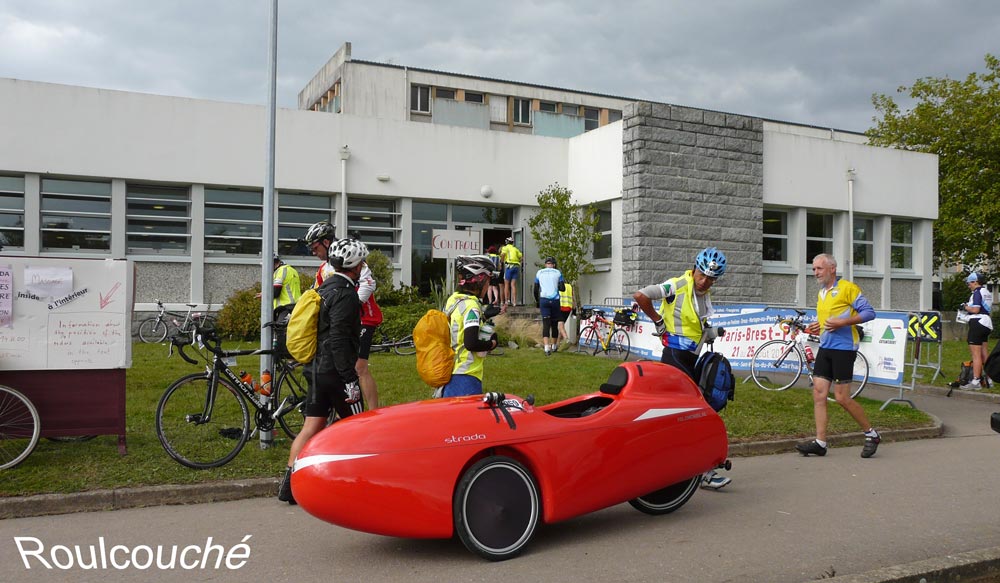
[420, 98]
[158, 219]
[864, 243]
[12, 212]
[522, 111]
[474, 97]
[375, 222]
[547, 106]
[481, 214]
[591, 118]
[441, 93]
[233, 221]
[602, 248]
[498, 109]
[819, 235]
[76, 215]
[902, 245]
[614, 116]
[568, 109]
[297, 211]
[775, 236]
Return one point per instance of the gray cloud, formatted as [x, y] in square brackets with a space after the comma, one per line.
[803, 61]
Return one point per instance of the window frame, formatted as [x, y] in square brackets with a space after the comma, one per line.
[606, 234]
[901, 245]
[782, 237]
[519, 111]
[293, 246]
[481, 97]
[47, 195]
[827, 242]
[11, 192]
[869, 244]
[391, 249]
[422, 95]
[155, 193]
[249, 250]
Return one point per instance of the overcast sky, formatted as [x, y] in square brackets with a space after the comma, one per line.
[812, 62]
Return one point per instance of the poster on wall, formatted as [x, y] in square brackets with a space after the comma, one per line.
[750, 325]
[65, 314]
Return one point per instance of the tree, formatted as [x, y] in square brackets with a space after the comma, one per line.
[565, 231]
[960, 122]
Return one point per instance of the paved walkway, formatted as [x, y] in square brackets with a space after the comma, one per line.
[812, 516]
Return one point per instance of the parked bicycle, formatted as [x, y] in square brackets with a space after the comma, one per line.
[778, 364]
[606, 336]
[154, 330]
[202, 419]
[20, 427]
[381, 342]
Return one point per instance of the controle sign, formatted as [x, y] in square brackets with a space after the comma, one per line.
[447, 244]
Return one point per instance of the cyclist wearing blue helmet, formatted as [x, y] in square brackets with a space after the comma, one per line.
[684, 310]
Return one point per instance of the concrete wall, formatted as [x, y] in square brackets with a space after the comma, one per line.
[692, 178]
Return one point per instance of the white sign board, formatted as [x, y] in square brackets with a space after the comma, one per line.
[447, 244]
[65, 314]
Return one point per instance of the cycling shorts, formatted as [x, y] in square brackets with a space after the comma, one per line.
[327, 394]
[365, 349]
[836, 366]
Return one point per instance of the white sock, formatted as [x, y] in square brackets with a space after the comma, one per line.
[821, 443]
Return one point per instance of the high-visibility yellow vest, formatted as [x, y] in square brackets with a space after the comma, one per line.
[566, 299]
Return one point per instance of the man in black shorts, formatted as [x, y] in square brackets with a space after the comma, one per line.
[332, 376]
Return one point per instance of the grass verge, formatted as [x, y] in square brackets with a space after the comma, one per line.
[95, 464]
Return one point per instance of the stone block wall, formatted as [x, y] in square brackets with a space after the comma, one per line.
[692, 178]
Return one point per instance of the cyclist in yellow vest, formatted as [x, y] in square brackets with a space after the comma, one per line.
[511, 258]
[565, 309]
[287, 288]
[684, 310]
[466, 315]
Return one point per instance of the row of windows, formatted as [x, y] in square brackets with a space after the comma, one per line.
[819, 239]
[420, 102]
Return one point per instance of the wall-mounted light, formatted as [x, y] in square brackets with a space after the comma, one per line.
[345, 153]
[486, 191]
[383, 177]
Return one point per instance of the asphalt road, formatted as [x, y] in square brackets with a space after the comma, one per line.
[784, 518]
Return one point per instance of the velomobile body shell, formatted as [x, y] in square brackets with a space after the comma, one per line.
[393, 471]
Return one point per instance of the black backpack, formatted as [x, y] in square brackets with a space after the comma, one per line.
[715, 379]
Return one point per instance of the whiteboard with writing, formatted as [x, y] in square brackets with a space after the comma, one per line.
[65, 314]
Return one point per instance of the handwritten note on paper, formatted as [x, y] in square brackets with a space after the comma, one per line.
[48, 282]
[86, 340]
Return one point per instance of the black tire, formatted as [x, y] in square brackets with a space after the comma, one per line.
[152, 330]
[20, 427]
[196, 444]
[207, 323]
[620, 345]
[666, 500]
[405, 346]
[290, 390]
[588, 339]
[497, 508]
[767, 362]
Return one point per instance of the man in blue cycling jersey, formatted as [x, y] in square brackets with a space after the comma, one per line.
[548, 283]
[839, 308]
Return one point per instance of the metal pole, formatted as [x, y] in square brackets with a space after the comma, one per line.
[268, 224]
[849, 260]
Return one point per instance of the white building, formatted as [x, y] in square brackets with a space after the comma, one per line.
[175, 184]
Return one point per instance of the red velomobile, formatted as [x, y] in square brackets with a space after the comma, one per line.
[491, 468]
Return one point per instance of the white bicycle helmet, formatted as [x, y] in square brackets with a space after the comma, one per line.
[473, 267]
[318, 232]
[347, 253]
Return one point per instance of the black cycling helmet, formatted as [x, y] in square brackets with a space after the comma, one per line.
[551, 260]
[318, 232]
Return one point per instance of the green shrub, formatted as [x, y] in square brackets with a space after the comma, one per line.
[954, 291]
[401, 296]
[239, 318]
[398, 321]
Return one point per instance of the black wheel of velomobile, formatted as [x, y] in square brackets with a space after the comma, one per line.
[496, 508]
[666, 500]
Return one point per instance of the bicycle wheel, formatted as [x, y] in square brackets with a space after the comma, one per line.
[405, 346]
[19, 427]
[195, 433]
[620, 345]
[776, 365]
[290, 390]
[152, 330]
[588, 339]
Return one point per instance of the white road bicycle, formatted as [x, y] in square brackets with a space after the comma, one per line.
[778, 364]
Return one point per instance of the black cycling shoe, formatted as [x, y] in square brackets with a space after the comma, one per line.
[285, 488]
[811, 447]
[871, 444]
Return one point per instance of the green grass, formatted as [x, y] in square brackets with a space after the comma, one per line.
[71, 467]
